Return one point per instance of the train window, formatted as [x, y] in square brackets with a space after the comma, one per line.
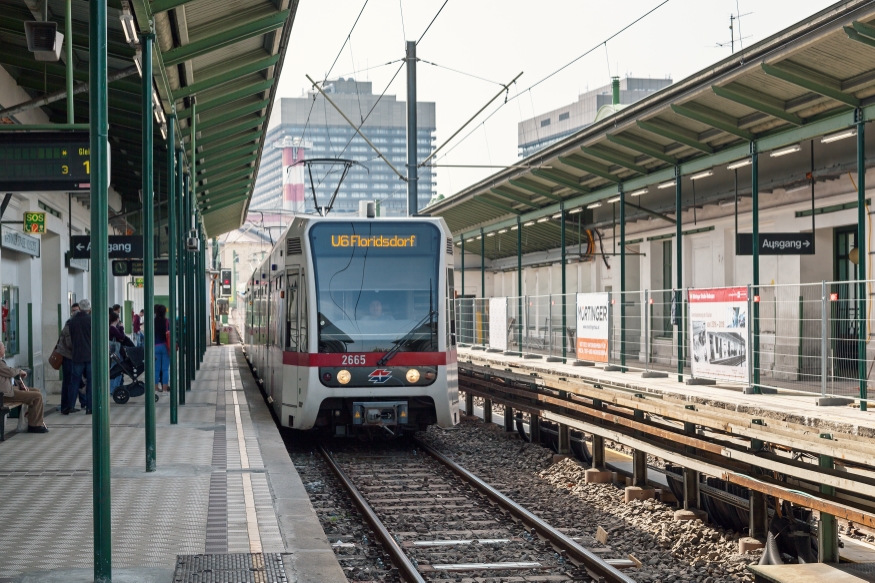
[292, 311]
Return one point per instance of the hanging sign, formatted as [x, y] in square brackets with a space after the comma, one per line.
[125, 267]
[498, 323]
[776, 244]
[45, 161]
[119, 247]
[718, 333]
[34, 223]
[593, 326]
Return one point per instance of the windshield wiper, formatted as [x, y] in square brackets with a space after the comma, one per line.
[405, 339]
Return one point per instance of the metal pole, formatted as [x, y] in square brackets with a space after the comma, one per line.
[412, 165]
[189, 295]
[482, 264]
[824, 337]
[148, 249]
[172, 242]
[755, 200]
[462, 295]
[647, 330]
[98, 116]
[862, 256]
[564, 315]
[68, 32]
[519, 283]
[185, 195]
[679, 255]
[622, 283]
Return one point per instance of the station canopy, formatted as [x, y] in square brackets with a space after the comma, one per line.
[225, 54]
[801, 83]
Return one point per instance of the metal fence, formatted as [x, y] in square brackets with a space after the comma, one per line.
[807, 338]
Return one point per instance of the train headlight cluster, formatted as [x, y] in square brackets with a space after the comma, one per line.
[343, 377]
[412, 375]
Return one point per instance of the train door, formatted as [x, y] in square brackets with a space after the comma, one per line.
[277, 337]
[292, 340]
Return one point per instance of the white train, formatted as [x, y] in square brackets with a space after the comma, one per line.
[349, 325]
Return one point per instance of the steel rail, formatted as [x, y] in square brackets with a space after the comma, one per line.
[407, 569]
[590, 561]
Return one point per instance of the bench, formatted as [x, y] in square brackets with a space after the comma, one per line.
[4, 409]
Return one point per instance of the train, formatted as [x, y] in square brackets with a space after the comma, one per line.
[349, 325]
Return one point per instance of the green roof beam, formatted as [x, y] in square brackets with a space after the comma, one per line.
[224, 190]
[713, 118]
[225, 156]
[218, 169]
[225, 77]
[507, 194]
[614, 157]
[226, 117]
[213, 207]
[228, 175]
[676, 133]
[251, 89]
[229, 193]
[811, 80]
[225, 38]
[854, 35]
[232, 143]
[559, 177]
[757, 101]
[221, 135]
[498, 205]
[647, 147]
[586, 165]
[158, 6]
[535, 188]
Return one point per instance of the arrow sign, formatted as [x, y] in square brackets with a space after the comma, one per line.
[776, 244]
[120, 247]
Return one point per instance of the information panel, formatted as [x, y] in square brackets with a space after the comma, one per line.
[123, 267]
[593, 326]
[498, 323]
[45, 161]
[718, 333]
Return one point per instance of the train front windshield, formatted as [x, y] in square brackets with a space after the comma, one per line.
[376, 285]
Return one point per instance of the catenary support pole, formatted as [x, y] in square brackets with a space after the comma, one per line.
[148, 195]
[412, 164]
[622, 282]
[863, 257]
[482, 264]
[98, 116]
[519, 284]
[564, 286]
[172, 242]
[755, 202]
[679, 258]
[68, 42]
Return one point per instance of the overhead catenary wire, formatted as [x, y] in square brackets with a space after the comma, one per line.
[432, 21]
[461, 72]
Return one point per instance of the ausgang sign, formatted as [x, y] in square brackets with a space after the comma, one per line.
[119, 247]
[776, 244]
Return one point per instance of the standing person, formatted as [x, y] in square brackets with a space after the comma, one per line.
[33, 398]
[69, 388]
[80, 336]
[162, 353]
[118, 312]
[135, 322]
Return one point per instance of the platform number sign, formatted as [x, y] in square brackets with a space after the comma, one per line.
[34, 223]
[225, 289]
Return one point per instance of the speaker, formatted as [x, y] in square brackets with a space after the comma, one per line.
[44, 40]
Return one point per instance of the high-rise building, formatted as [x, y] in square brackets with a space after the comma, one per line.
[548, 128]
[309, 128]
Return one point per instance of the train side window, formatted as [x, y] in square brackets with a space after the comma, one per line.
[292, 337]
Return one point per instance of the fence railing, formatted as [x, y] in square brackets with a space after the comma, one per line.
[805, 337]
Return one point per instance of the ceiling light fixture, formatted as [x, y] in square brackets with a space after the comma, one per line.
[138, 61]
[639, 192]
[557, 216]
[543, 219]
[704, 174]
[613, 200]
[575, 211]
[469, 240]
[668, 184]
[479, 237]
[739, 164]
[594, 205]
[848, 133]
[784, 151]
[502, 231]
[528, 223]
[127, 20]
[490, 234]
[514, 228]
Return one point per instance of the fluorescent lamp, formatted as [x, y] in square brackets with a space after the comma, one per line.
[668, 184]
[784, 151]
[479, 237]
[528, 223]
[704, 174]
[138, 61]
[638, 192]
[163, 131]
[514, 228]
[502, 231]
[739, 164]
[575, 211]
[848, 133]
[594, 205]
[458, 243]
[557, 216]
[127, 20]
[469, 240]
[543, 219]
[613, 200]
[490, 234]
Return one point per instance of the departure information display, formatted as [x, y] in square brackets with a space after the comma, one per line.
[45, 161]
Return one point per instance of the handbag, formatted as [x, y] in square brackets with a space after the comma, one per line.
[56, 359]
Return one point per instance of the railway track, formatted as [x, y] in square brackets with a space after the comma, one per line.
[437, 521]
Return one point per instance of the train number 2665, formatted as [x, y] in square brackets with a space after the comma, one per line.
[349, 359]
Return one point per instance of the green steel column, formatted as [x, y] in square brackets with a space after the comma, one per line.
[827, 532]
[98, 116]
[564, 315]
[185, 345]
[862, 254]
[171, 264]
[182, 196]
[622, 282]
[482, 264]
[190, 321]
[463, 266]
[755, 201]
[233, 301]
[148, 248]
[679, 254]
[519, 283]
[68, 38]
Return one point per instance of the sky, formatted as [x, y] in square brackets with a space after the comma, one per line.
[488, 42]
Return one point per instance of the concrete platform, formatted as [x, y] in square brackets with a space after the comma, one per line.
[225, 484]
[808, 573]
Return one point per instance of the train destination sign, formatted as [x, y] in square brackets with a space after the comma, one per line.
[776, 244]
[120, 247]
[372, 241]
[45, 161]
[123, 267]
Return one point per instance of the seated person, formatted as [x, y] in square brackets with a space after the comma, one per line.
[12, 395]
[375, 312]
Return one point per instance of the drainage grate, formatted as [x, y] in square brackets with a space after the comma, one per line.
[231, 568]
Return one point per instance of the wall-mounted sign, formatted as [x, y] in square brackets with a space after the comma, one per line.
[34, 222]
[45, 161]
[718, 333]
[21, 242]
[776, 244]
[138, 282]
[593, 326]
[82, 264]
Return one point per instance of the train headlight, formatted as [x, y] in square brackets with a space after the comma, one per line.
[412, 375]
[343, 377]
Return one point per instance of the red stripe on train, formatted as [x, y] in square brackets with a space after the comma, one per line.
[368, 359]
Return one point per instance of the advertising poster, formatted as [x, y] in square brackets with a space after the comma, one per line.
[498, 323]
[718, 333]
[593, 326]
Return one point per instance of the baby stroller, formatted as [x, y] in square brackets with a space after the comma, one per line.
[131, 366]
